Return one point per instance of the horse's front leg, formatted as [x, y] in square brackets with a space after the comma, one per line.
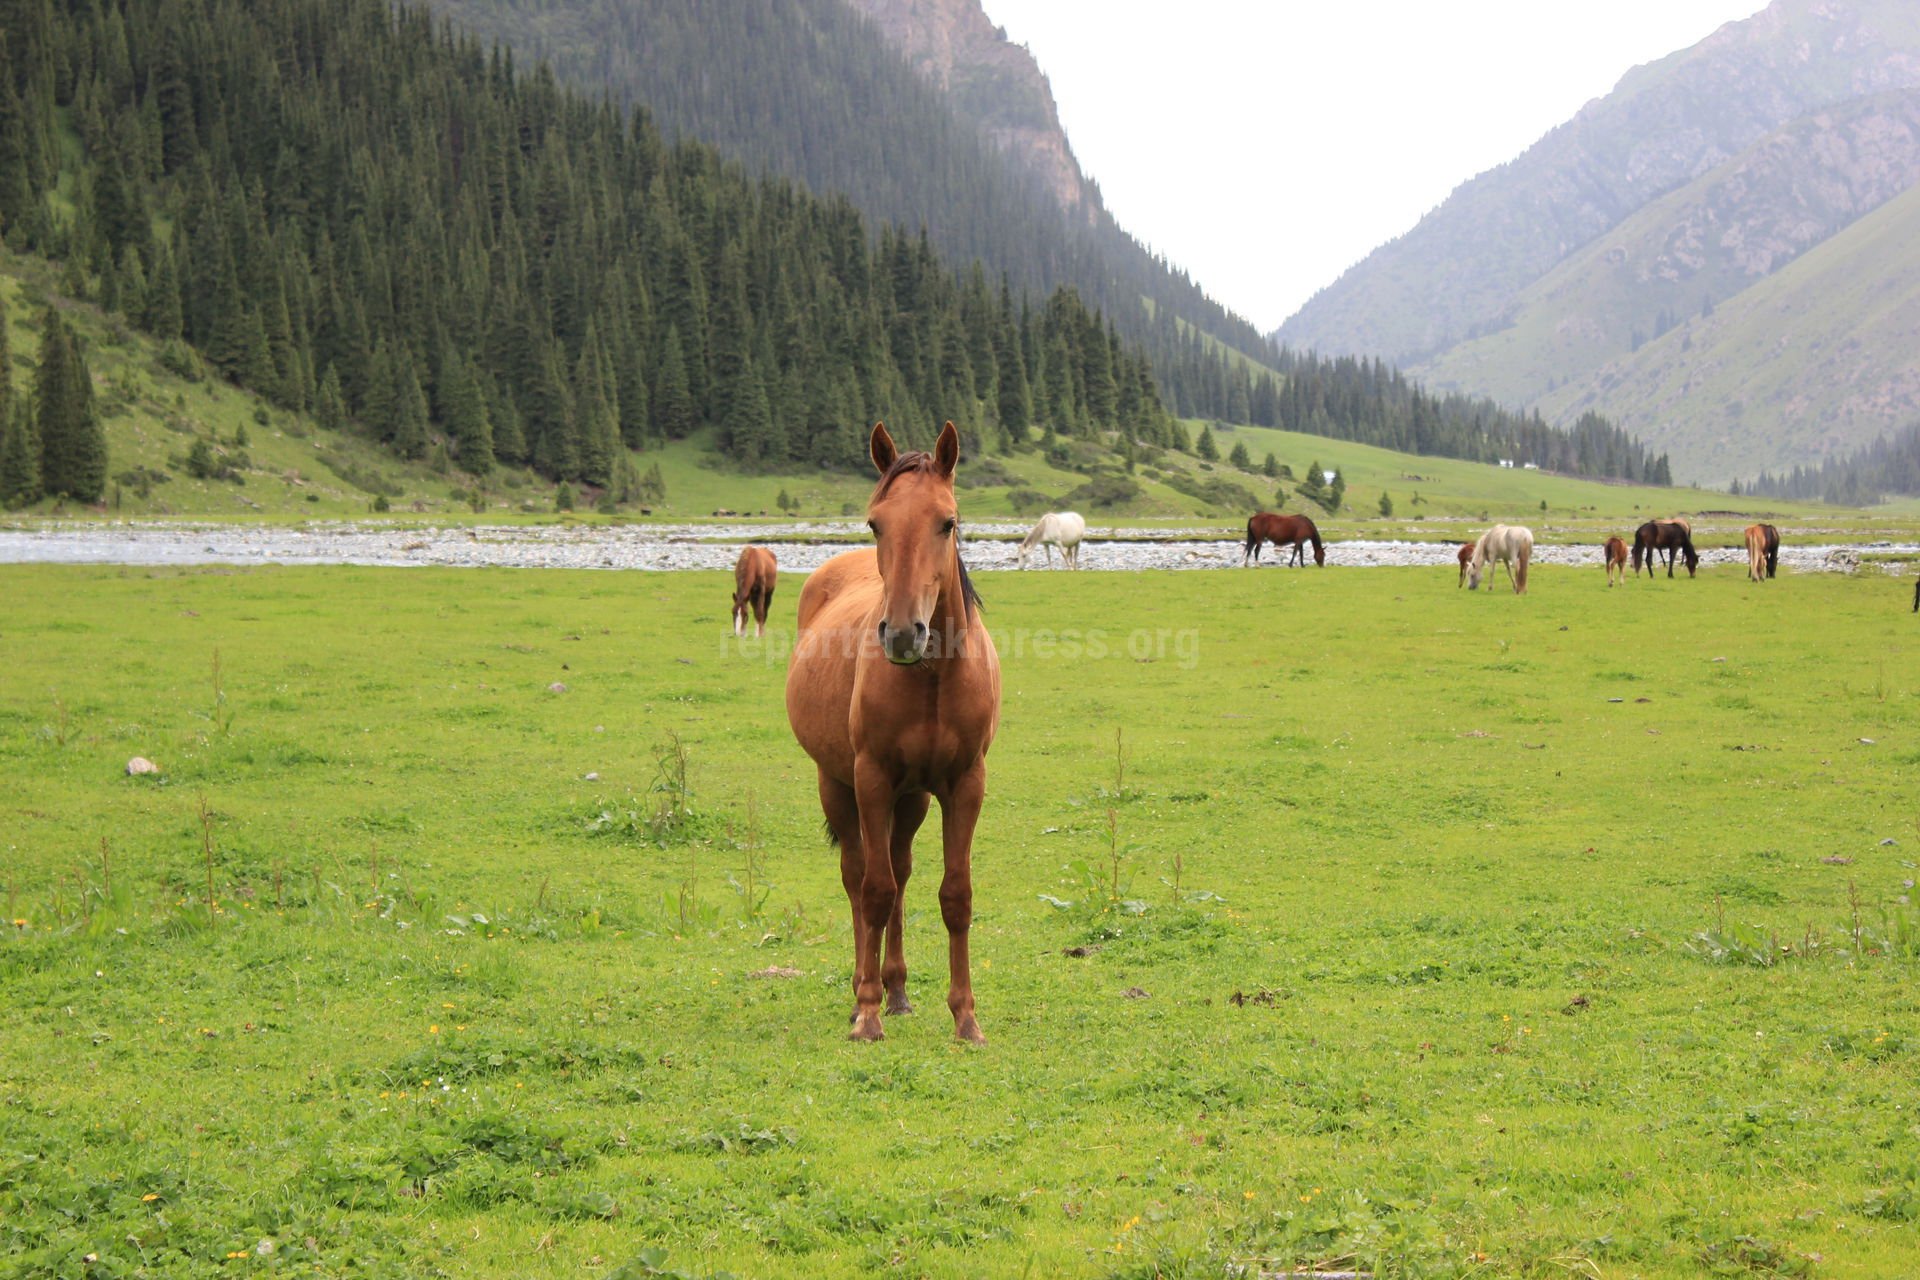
[909, 811]
[878, 893]
[959, 813]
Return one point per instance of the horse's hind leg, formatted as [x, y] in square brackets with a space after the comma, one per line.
[762, 602]
[959, 813]
[843, 826]
[909, 811]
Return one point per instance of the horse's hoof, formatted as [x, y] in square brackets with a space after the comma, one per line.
[897, 1003]
[866, 1026]
[968, 1030]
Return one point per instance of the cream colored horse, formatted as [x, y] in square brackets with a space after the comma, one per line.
[1512, 546]
[1062, 529]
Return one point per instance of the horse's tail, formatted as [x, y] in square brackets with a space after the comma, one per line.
[1251, 536]
[1520, 574]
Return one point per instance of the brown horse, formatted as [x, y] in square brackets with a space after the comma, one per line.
[894, 690]
[754, 577]
[1763, 551]
[1671, 536]
[1282, 531]
[1616, 553]
[1465, 556]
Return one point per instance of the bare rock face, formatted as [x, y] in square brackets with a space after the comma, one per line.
[141, 765]
[993, 81]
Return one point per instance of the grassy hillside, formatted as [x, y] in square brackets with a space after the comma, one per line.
[1818, 358]
[292, 469]
[1688, 251]
[1456, 936]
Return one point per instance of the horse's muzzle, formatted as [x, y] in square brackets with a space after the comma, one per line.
[904, 647]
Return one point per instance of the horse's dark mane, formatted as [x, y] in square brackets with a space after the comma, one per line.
[967, 592]
[915, 461]
[911, 461]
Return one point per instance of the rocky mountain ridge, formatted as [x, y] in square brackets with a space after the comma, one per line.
[991, 80]
[1452, 276]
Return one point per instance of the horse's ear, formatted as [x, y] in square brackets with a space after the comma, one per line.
[946, 452]
[881, 448]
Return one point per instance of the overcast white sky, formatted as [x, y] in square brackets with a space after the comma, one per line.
[1267, 145]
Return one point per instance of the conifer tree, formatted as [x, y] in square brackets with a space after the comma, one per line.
[330, 406]
[1240, 457]
[1205, 448]
[73, 443]
[749, 421]
[409, 410]
[19, 460]
[672, 398]
[466, 415]
[6, 359]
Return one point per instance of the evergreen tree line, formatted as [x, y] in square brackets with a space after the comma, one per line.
[52, 442]
[809, 89]
[374, 219]
[1890, 465]
[1369, 402]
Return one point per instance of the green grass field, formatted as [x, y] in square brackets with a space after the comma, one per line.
[1546, 935]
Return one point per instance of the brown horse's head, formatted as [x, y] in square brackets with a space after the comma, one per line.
[916, 534]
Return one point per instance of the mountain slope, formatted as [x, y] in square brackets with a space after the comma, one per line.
[814, 90]
[1453, 276]
[991, 81]
[1688, 251]
[1816, 359]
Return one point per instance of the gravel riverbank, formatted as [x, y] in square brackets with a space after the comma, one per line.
[706, 546]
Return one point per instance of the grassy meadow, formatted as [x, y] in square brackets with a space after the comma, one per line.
[1423, 932]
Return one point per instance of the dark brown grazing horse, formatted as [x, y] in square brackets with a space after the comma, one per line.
[894, 690]
[1916, 595]
[754, 577]
[1773, 549]
[1616, 553]
[1465, 556]
[1282, 531]
[1670, 536]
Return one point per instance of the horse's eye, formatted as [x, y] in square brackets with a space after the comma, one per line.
[946, 530]
[873, 528]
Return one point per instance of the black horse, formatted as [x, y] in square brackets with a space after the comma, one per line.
[1655, 536]
[1772, 548]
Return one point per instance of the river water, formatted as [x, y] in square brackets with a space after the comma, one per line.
[800, 547]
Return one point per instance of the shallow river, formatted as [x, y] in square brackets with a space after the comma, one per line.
[663, 546]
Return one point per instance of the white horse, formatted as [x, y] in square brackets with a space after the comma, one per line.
[1512, 546]
[1062, 529]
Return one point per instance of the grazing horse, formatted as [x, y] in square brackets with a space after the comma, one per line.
[1282, 531]
[1465, 557]
[754, 576]
[1616, 553]
[1671, 536]
[1512, 546]
[1062, 529]
[1763, 551]
[1916, 595]
[894, 690]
